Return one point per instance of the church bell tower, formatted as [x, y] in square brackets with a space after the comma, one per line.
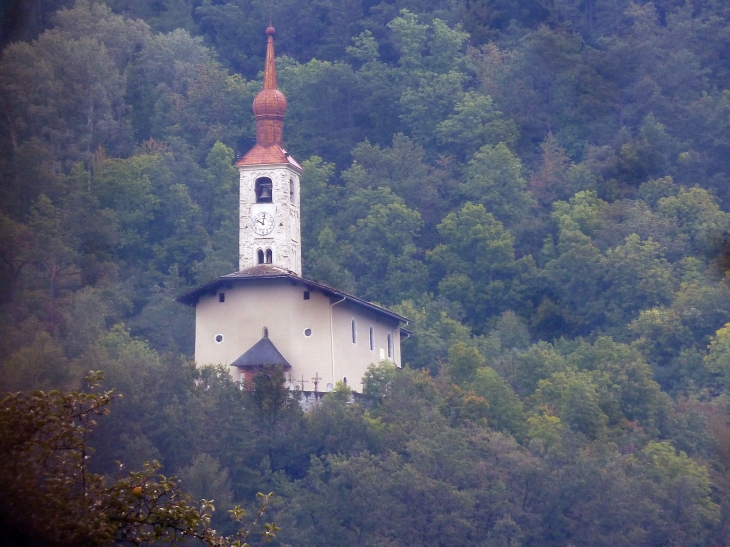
[269, 219]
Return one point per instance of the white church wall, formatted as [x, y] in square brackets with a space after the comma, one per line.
[353, 357]
[299, 328]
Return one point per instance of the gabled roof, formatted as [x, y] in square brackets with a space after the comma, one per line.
[268, 271]
[263, 353]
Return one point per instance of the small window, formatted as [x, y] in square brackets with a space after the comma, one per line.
[306, 295]
[269, 256]
[221, 297]
[354, 332]
[263, 190]
[218, 338]
[291, 190]
[260, 254]
[390, 346]
[372, 338]
[307, 332]
[265, 332]
[344, 380]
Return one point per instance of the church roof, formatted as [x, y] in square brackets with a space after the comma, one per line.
[262, 353]
[269, 271]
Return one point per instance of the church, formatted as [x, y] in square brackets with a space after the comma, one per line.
[267, 314]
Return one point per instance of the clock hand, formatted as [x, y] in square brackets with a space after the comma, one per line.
[260, 221]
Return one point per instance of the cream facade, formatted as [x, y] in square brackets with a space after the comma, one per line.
[327, 337]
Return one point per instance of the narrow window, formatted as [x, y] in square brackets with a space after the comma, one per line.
[291, 190]
[222, 297]
[269, 256]
[354, 332]
[344, 380]
[306, 295]
[260, 254]
[390, 346]
[265, 332]
[372, 338]
[263, 190]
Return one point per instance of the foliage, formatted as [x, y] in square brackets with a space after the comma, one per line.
[50, 496]
[540, 187]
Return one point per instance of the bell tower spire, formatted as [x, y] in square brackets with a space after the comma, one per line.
[269, 106]
[269, 232]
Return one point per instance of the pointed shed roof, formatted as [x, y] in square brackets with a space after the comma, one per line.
[263, 353]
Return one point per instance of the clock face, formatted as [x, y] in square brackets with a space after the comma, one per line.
[263, 223]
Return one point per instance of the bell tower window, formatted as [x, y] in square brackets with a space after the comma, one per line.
[260, 254]
[291, 190]
[269, 256]
[263, 190]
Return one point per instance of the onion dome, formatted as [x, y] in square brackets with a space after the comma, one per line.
[269, 106]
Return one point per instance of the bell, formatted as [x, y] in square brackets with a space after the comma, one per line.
[265, 193]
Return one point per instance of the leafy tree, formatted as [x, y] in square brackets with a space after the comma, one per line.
[475, 261]
[505, 408]
[475, 120]
[54, 499]
[464, 361]
[434, 331]
[494, 179]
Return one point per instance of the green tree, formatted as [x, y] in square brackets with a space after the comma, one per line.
[475, 122]
[505, 408]
[474, 262]
[494, 179]
[54, 499]
[464, 362]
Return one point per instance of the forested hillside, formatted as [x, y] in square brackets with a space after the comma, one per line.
[543, 187]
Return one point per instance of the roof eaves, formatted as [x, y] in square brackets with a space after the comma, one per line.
[191, 297]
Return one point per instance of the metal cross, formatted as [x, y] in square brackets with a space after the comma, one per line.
[316, 380]
[302, 381]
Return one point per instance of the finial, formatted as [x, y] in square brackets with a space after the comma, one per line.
[269, 106]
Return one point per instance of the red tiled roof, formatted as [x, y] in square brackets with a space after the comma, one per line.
[266, 155]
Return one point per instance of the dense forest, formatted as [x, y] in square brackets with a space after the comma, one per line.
[542, 187]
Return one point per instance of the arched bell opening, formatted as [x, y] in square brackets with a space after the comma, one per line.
[260, 256]
[264, 190]
[269, 256]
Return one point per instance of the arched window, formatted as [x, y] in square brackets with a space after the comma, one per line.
[269, 256]
[265, 332]
[372, 338]
[264, 189]
[291, 190]
[354, 332]
[260, 254]
[344, 380]
[390, 346]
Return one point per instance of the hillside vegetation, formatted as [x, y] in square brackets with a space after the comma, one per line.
[543, 187]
